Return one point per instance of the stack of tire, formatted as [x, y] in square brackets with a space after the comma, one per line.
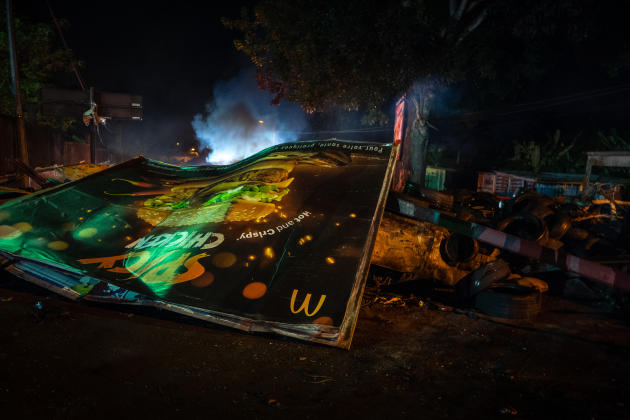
[583, 229]
[591, 230]
[495, 291]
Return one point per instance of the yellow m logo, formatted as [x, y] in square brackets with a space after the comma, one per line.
[305, 304]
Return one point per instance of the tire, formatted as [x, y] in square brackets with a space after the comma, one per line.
[509, 301]
[457, 248]
[526, 226]
[482, 278]
[558, 225]
[530, 201]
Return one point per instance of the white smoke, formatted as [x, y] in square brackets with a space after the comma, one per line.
[239, 120]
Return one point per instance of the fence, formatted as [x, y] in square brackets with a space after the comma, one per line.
[46, 147]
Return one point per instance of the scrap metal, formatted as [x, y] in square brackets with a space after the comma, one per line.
[415, 209]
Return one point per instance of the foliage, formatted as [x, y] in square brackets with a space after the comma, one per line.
[557, 154]
[551, 155]
[363, 54]
[39, 60]
[612, 141]
[435, 155]
[354, 54]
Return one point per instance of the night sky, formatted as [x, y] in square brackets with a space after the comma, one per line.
[170, 53]
[176, 54]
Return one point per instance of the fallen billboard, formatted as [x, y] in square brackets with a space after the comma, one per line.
[279, 242]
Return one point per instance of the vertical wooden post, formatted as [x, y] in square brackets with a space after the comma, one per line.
[587, 174]
[92, 141]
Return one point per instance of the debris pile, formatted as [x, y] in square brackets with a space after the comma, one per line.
[439, 236]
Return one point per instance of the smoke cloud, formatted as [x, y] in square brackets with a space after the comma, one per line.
[239, 121]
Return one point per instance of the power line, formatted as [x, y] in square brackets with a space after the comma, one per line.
[551, 102]
[499, 112]
[65, 44]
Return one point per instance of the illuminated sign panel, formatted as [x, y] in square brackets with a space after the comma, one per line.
[398, 122]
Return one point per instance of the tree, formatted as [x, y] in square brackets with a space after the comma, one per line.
[365, 54]
[40, 61]
[361, 55]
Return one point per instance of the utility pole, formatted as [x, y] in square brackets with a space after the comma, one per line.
[15, 77]
[119, 142]
[119, 107]
[92, 128]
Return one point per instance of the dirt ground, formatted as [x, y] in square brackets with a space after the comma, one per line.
[85, 360]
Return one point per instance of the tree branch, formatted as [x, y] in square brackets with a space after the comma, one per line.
[475, 23]
[461, 10]
[472, 5]
[418, 119]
